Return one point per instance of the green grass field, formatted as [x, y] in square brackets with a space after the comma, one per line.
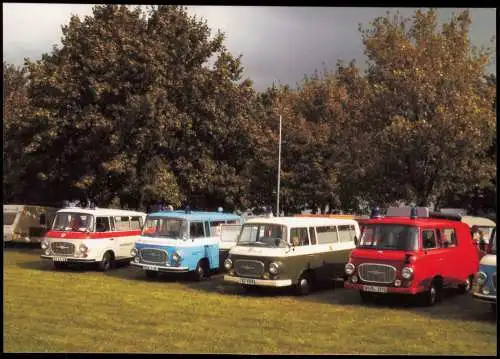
[84, 310]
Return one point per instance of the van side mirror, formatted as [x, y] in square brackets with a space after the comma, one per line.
[43, 219]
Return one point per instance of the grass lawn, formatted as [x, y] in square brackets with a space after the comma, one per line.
[83, 310]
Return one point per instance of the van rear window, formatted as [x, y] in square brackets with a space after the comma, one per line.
[9, 218]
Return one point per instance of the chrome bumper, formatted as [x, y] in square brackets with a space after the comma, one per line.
[68, 259]
[160, 268]
[259, 282]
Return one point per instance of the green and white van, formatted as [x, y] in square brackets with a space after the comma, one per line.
[291, 251]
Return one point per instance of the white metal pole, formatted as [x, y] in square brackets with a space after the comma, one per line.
[279, 169]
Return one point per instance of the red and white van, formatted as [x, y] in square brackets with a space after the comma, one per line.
[410, 251]
[86, 235]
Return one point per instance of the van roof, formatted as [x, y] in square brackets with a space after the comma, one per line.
[303, 221]
[410, 222]
[15, 207]
[478, 221]
[102, 211]
[198, 215]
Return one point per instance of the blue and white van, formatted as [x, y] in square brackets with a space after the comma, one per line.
[484, 287]
[185, 241]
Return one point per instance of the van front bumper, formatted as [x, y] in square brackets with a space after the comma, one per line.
[259, 282]
[485, 298]
[160, 268]
[63, 259]
[384, 289]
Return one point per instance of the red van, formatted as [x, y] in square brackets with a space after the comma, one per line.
[412, 251]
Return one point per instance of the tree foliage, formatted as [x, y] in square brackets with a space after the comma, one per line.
[138, 106]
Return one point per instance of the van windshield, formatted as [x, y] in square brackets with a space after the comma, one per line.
[9, 218]
[263, 235]
[389, 236]
[165, 228]
[75, 222]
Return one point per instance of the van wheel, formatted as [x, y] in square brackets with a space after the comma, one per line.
[60, 265]
[105, 263]
[466, 286]
[303, 287]
[201, 271]
[152, 274]
[431, 296]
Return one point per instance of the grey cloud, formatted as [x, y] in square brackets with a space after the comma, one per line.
[277, 43]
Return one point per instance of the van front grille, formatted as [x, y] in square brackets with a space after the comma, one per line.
[249, 268]
[377, 273]
[64, 248]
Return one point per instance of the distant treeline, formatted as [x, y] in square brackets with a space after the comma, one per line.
[128, 111]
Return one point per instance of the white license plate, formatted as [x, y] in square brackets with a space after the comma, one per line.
[60, 259]
[247, 281]
[150, 267]
[374, 289]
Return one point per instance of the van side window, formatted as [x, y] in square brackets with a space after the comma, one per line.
[345, 234]
[299, 237]
[214, 228]
[327, 234]
[312, 235]
[135, 222]
[122, 224]
[429, 239]
[102, 224]
[448, 237]
[112, 224]
[196, 230]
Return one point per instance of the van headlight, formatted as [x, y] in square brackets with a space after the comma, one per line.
[481, 278]
[176, 257]
[273, 268]
[407, 272]
[133, 252]
[228, 263]
[349, 268]
[83, 248]
[45, 244]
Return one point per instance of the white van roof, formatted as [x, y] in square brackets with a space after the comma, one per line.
[303, 221]
[102, 211]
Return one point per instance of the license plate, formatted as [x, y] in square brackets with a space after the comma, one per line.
[247, 281]
[374, 289]
[60, 259]
[150, 268]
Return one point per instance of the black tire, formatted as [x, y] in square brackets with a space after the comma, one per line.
[106, 262]
[60, 265]
[304, 284]
[432, 295]
[465, 287]
[202, 271]
[152, 274]
[366, 296]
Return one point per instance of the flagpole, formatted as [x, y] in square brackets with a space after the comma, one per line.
[279, 169]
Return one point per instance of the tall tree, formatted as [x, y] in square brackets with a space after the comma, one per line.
[431, 115]
[136, 112]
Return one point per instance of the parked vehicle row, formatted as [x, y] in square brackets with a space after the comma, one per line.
[409, 251]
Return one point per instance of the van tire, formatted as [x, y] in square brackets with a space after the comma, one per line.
[106, 262]
[152, 274]
[202, 270]
[432, 295]
[304, 284]
[465, 287]
[60, 265]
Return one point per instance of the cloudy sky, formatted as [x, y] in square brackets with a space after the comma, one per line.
[279, 44]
